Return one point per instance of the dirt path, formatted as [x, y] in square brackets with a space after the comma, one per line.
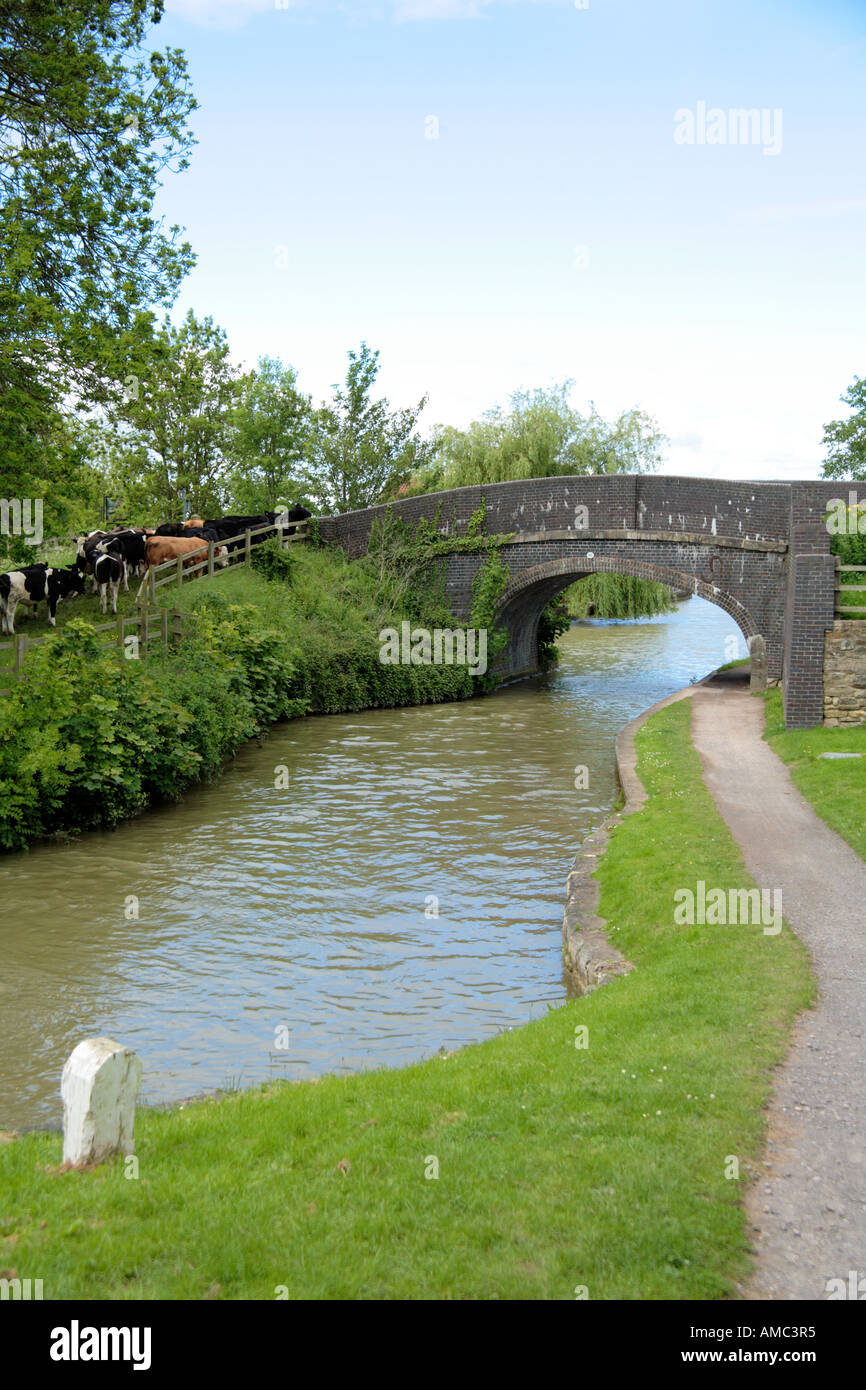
[808, 1212]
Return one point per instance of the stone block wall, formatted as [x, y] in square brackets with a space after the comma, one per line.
[845, 674]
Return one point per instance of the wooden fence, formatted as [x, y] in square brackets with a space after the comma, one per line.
[131, 636]
[161, 626]
[844, 610]
[176, 571]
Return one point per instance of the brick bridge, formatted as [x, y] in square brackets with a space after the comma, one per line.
[760, 551]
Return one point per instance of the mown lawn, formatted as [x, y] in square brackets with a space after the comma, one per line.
[836, 787]
[559, 1167]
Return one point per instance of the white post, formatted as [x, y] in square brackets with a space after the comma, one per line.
[99, 1085]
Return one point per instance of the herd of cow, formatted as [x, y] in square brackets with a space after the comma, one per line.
[109, 557]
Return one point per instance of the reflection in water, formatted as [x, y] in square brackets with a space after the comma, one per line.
[313, 908]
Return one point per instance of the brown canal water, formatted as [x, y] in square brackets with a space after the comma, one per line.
[402, 895]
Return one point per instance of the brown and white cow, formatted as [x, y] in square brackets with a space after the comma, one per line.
[159, 549]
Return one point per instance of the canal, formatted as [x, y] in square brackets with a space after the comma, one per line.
[357, 891]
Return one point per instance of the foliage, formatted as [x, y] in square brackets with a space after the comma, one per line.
[541, 435]
[272, 424]
[176, 423]
[272, 561]
[846, 439]
[488, 586]
[359, 448]
[850, 546]
[605, 595]
[89, 121]
[555, 619]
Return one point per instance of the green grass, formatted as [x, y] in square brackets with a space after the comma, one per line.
[559, 1167]
[836, 788]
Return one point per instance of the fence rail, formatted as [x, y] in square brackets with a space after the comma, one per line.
[162, 627]
[840, 609]
[182, 568]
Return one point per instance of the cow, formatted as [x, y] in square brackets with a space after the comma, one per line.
[37, 584]
[158, 549]
[109, 568]
[297, 513]
[129, 546]
[231, 528]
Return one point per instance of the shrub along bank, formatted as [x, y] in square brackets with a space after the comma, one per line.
[89, 738]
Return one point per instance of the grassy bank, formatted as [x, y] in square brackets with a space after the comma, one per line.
[558, 1167]
[836, 787]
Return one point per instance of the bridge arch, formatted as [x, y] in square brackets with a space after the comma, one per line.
[529, 592]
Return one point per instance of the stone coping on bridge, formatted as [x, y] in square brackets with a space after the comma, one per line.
[671, 537]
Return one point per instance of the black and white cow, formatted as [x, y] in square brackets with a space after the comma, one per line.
[36, 584]
[109, 568]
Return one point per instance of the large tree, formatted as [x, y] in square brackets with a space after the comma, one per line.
[272, 430]
[175, 428]
[89, 120]
[361, 450]
[541, 435]
[846, 439]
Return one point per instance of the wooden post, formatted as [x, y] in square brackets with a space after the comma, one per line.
[179, 571]
[247, 546]
[120, 631]
[20, 649]
[210, 550]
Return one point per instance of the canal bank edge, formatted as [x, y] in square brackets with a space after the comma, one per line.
[588, 957]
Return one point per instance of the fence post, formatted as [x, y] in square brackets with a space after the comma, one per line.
[120, 631]
[210, 549]
[179, 571]
[247, 546]
[165, 627]
[20, 649]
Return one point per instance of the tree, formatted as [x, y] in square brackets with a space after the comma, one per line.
[272, 429]
[542, 435]
[360, 449]
[88, 121]
[175, 427]
[846, 439]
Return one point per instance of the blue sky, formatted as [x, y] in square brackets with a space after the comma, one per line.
[555, 228]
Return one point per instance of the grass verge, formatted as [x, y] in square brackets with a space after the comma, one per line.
[558, 1166]
[835, 787]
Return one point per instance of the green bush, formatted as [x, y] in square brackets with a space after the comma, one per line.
[273, 562]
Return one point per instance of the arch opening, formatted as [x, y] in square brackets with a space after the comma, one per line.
[528, 594]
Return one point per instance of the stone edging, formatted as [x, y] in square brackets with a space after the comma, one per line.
[588, 956]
